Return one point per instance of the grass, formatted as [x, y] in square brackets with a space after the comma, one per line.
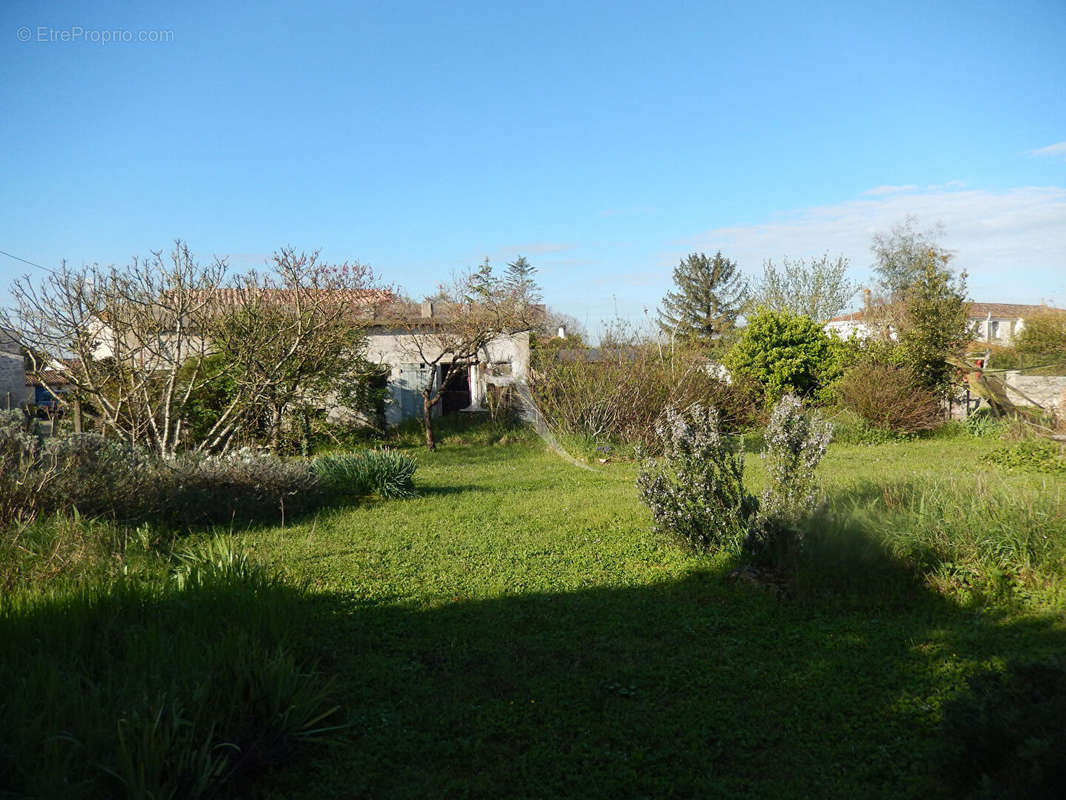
[516, 630]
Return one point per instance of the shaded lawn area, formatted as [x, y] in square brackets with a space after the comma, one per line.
[518, 631]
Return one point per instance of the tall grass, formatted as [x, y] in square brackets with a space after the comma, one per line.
[383, 472]
[149, 687]
[984, 534]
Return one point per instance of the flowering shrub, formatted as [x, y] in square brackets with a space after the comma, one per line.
[794, 445]
[696, 490]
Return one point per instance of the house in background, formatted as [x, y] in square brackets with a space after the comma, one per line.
[502, 362]
[14, 391]
[990, 323]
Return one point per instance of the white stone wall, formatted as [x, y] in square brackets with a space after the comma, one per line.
[12, 372]
[1048, 391]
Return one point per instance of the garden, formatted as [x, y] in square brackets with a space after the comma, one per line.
[516, 628]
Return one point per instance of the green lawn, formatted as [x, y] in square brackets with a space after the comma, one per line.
[518, 631]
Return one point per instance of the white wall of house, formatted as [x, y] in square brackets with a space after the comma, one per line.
[13, 387]
[505, 359]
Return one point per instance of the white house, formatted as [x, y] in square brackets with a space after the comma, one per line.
[990, 323]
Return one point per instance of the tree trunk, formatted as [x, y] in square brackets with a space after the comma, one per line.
[427, 421]
[275, 430]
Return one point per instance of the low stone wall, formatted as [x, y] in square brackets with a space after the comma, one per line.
[1045, 390]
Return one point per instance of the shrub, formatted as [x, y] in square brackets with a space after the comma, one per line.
[887, 397]
[784, 353]
[1044, 334]
[1004, 736]
[795, 444]
[384, 472]
[696, 490]
[97, 476]
[616, 393]
[247, 486]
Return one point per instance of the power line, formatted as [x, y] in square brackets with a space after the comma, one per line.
[24, 261]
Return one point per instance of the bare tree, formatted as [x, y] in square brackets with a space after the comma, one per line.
[456, 328]
[119, 339]
[137, 346]
[294, 337]
[818, 288]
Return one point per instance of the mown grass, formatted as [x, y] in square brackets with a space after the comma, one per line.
[518, 631]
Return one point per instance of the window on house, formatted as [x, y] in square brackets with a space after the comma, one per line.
[993, 329]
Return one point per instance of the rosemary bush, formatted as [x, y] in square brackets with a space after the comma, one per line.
[696, 490]
[795, 442]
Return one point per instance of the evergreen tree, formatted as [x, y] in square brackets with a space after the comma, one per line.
[520, 281]
[709, 296]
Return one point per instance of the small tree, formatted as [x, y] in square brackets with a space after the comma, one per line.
[295, 338]
[1044, 334]
[818, 289]
[696, 490]
[126, 342]
[710, 294]
[902, 254]
[934, 324]
[785, 353]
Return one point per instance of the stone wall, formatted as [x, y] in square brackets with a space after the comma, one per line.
[1045, 390]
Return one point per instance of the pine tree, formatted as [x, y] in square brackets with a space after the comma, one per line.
[520, 281]
[710, 294]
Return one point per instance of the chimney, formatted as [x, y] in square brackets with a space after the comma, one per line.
[562, 332]
[427, 309]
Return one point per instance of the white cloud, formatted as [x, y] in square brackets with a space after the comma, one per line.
[1058, 149]
[1012, 243]
[883, 190]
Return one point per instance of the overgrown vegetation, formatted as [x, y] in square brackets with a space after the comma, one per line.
[99, 477]
[384, 472]
[613, 395]
[165, 688]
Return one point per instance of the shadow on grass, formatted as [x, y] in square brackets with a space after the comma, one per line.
[687, 688]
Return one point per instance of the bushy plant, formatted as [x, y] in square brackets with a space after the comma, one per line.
[784, 353]
[245, 485]
[795, 443]
[616, 392]
[1003, 738]
[387, 473]
[887, 397]
[696, 490]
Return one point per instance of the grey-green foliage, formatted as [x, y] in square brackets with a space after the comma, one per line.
[708, 297]
[795, 442]
[901, 255]
[384, 472]
[696, 489]
[818, 288]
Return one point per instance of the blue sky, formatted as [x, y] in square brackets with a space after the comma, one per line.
[604, 141]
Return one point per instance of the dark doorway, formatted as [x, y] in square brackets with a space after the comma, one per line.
[457, 396]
